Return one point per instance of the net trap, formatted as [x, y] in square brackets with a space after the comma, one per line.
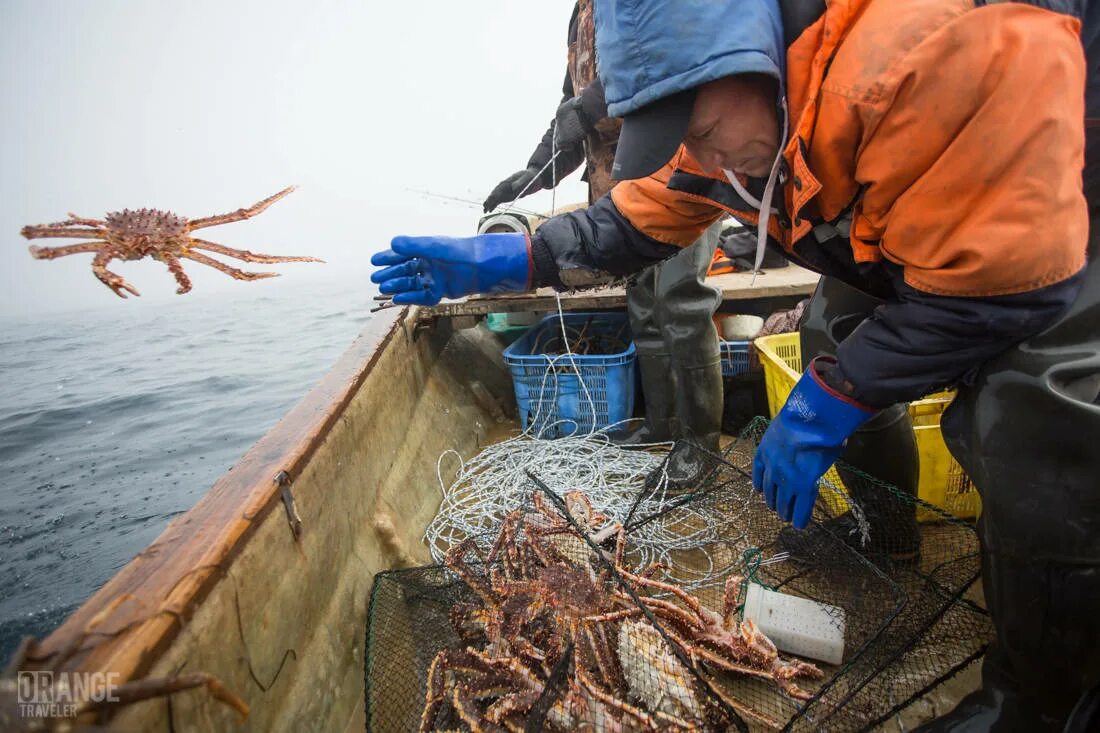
[558, 621]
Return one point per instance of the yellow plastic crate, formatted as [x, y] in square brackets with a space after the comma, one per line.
[943, 482]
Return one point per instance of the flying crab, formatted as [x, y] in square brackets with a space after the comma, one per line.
[162, 235]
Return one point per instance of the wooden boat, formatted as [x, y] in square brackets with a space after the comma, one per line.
[264, 583]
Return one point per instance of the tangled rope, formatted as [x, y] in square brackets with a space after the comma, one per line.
[695, 546]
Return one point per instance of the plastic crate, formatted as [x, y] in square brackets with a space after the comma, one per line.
[735, 357]
[943, 482]
[551, 399]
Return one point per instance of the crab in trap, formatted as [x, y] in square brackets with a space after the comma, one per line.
[564, 631]
[162, 235]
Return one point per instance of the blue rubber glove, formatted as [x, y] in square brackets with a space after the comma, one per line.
[422, 270]
[804, 439]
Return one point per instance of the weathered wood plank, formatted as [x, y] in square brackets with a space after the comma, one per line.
[786, 281]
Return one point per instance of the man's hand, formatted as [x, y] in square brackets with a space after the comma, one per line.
[578, 116]
[512, 187]
[804, 439]
[570, 124]
[423, 270]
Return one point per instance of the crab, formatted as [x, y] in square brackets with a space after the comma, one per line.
[162, 235]
[631, 652]
[716, 641]
[79, 706]
[536, 594]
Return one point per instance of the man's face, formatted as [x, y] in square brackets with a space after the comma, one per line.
[733, 125]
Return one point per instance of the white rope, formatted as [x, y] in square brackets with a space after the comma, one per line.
[694, 542]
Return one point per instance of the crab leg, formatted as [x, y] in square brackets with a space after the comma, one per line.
[84, 221]
[745, 710]
[233, 272]
[239, 214]
[244, 254]
[60, 231]
[689, 600]
[149, 688]
[108, 278]
[49, 253]
[639, 715]
[729, 600]
[176, 268]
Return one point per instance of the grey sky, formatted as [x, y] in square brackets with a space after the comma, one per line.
[203, 107]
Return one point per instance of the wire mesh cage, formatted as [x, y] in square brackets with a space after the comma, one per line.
[562, 625]
[938, 630]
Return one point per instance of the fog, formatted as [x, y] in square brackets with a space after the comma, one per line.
[204, 107]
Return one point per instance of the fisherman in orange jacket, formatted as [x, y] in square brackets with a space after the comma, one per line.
[928, 153]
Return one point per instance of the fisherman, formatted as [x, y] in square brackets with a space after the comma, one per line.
[925, 153]
[669, 306]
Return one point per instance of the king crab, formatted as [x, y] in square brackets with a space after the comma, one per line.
[162, 235]
[546, 605]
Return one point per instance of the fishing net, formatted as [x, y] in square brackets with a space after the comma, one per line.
[563, 622]
[940, 628]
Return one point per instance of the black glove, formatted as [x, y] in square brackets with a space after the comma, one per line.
[511, 187]
[578, 116]
[570, 123]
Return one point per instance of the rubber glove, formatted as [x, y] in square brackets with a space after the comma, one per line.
[511, 187]
[422, 270]
[804, 439]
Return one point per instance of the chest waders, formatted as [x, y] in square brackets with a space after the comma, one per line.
[671, 310]
[1027, 431]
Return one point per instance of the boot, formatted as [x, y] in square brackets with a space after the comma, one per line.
[699, 407]
[658, 392]
[684, 306]
[654, 363]
[885, 448]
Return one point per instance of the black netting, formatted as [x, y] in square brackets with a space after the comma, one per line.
[557, 628]
[940, 627]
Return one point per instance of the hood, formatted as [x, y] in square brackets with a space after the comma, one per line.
[650, 49]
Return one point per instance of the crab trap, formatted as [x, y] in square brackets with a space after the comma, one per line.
[939, 627]
[561, 624]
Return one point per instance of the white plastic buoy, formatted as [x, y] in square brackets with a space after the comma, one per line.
[797, 625]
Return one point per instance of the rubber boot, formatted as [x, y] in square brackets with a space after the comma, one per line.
[1026, 431]
[884, 448]
[658, 390]
[654, 365]
[685, 307]
[699, 407]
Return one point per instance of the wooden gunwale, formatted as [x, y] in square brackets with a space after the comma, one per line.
[140, 611]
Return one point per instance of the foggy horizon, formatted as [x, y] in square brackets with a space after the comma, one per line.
[205, 108]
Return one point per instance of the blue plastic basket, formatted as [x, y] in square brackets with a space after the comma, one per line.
[551, 400]
[735, 357]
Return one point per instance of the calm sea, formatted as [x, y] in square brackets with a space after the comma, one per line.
[115, 421]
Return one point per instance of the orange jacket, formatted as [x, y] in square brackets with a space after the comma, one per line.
[954, 134]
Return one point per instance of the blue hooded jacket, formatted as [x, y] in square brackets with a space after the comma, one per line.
[650, 49]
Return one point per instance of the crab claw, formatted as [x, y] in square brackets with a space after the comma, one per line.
[117, 284]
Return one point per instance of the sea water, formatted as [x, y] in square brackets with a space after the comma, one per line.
[113, 421]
